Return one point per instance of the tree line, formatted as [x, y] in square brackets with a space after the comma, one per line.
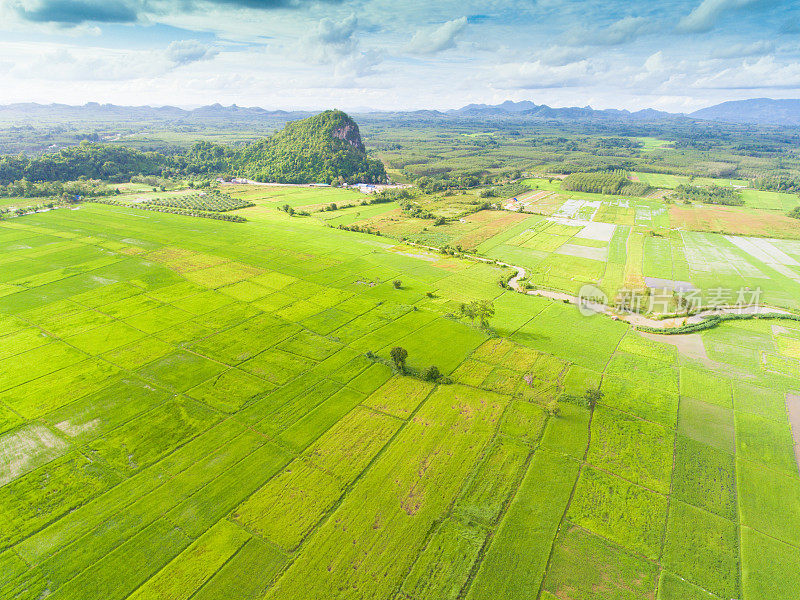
[326, 148]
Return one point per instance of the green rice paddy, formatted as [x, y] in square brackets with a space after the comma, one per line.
[187, 410]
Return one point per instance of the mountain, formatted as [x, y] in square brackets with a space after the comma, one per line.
[757, 111]
[324, 148]
[32, 112]
[542, 111]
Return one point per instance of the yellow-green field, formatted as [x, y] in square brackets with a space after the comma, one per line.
[203, 409]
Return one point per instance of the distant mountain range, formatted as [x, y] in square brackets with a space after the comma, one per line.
[95, 112]
[759, 111]
[542, 111]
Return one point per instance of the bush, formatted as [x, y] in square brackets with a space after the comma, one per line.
[725, 196]
[713, 321]
[431, 373]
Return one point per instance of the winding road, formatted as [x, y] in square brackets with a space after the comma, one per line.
[634, 319]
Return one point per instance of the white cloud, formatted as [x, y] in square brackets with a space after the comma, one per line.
[704, 18]
[336, 43]
[432, 41]
[620, 32]
[558, 56]
[538, 75]
[63, 64]
[763, 73]
[185, 52]
[743, 50]
[337, 34]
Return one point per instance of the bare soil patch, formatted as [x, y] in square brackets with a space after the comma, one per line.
[724, 219]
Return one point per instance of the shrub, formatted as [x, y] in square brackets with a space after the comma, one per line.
[431, 373]
[399, 356]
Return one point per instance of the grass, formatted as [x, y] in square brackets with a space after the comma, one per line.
[494, 481]
[644, 387]
[770, 568]
[705, 386]
[628, 515]
[515, 561]
[769, 501]
[757, 400]
[585, 566]
[426, 482]
[442, 568]
[187, 411]
[189, 570]
[247, 575]
[674, 587]
[144, 440]
[589, 347]
[631, 448]
[764, 441]
[701, 548]
[705, 477]
[707, 423]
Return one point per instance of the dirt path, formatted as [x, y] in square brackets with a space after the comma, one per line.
[793, 408]
[634, 319]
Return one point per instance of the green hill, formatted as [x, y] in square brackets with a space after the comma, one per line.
[324, 148]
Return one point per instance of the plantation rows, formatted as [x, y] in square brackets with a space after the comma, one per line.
[605, 182]
[174, 211]
[212, 201]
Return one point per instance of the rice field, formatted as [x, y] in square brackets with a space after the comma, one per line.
[194, 409]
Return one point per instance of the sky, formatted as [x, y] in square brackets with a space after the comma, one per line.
[676, 55]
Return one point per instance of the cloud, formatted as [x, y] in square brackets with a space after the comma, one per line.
[339, 33]
[185, 52]
[66, 65]
[558, 56]
[759, 48]
[336, 43]
[330, 40]
[763, 73]
[621, 32]
[432, 41]
[538, 75]
[75, 12]
[704, 18]
[270, 4]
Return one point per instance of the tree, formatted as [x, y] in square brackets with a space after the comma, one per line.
[591, 397]
[484, 310]
[432, 373]
[399, 356]
[397, 284]
[468, 311]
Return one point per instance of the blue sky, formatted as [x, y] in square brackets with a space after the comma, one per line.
[676, 55]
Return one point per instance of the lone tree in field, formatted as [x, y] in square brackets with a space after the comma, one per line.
[591, 397]
[397, 284]
[399, 356]
[483, 310]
